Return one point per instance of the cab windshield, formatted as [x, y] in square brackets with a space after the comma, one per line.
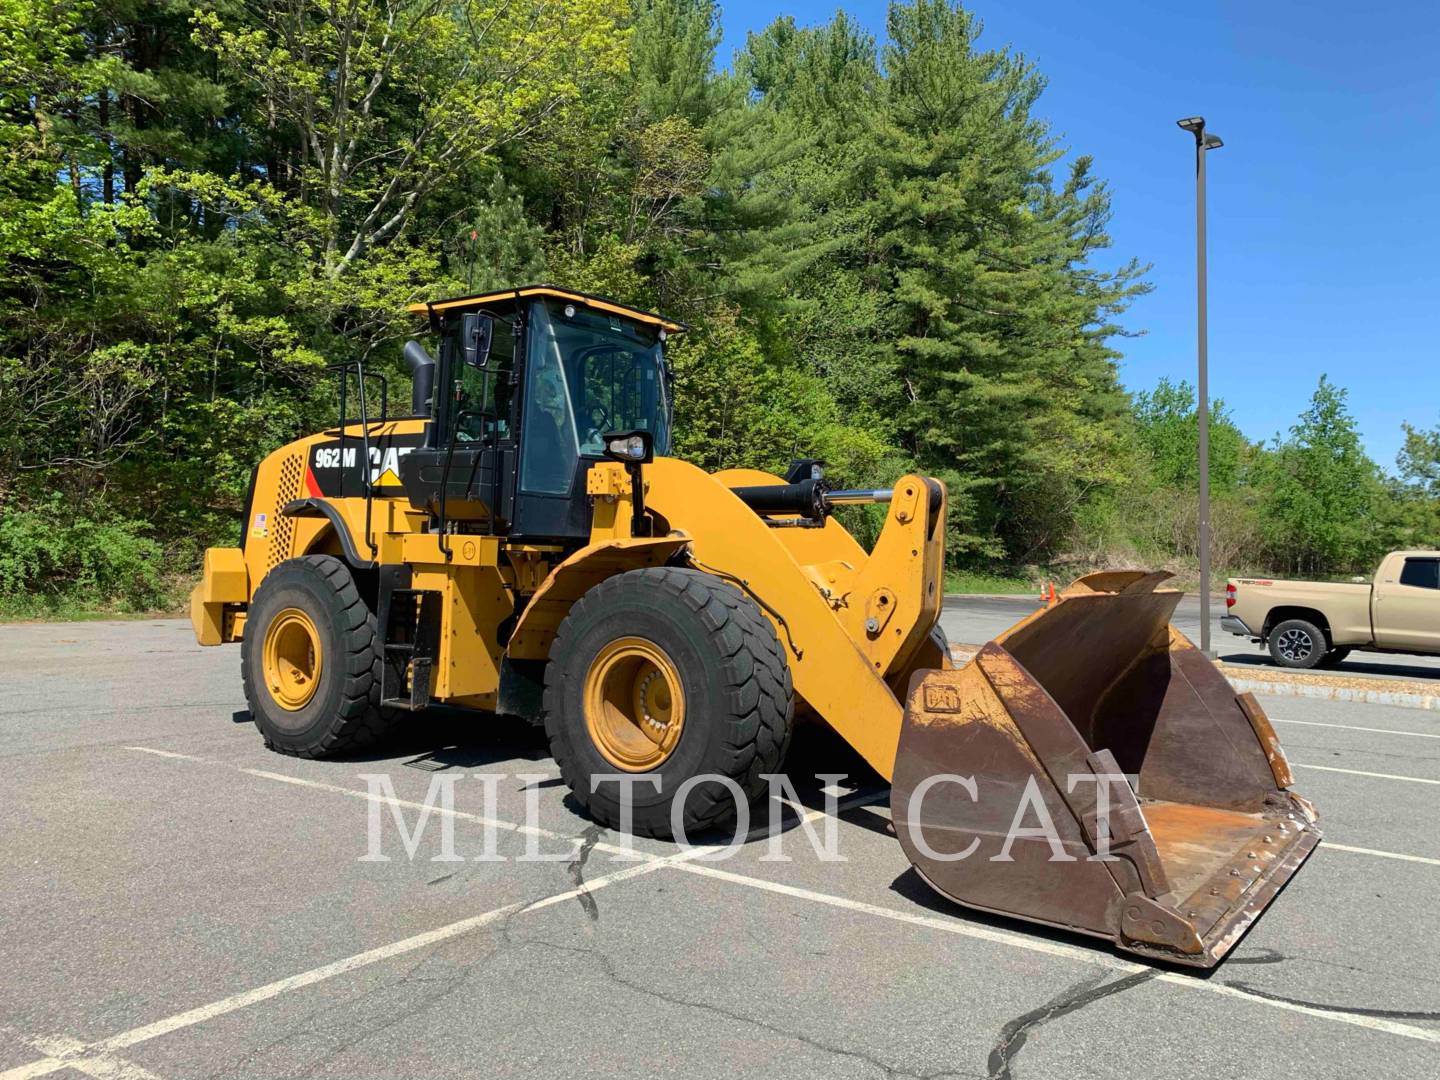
[588, 373]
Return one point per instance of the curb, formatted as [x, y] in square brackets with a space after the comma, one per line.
[1395, 692]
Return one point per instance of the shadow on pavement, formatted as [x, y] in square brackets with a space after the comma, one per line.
[1357, 664]
[912, 887]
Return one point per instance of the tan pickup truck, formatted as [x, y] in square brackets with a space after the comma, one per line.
[1307, 624]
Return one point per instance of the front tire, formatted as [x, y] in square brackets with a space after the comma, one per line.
[1296, 643]
[310, 659]
[667, 673]
[1335, 656]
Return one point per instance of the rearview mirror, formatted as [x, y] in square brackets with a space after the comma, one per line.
[477, 332]
[631, 447]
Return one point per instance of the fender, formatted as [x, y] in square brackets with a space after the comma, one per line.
[322, 508]
[576, 576]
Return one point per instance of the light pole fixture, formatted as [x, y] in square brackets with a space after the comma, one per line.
[1204, 141]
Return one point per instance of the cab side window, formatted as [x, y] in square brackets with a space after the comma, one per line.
[550, 455]
[619, 391]
[1421, 573]
[483, 409]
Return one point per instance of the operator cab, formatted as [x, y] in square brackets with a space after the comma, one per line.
[527, 383]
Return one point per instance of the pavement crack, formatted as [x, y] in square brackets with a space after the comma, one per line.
[1391, 974]
[322, 1034]
[1014, 1035]
[608, 968]
[576, 866]
[1353, 1010]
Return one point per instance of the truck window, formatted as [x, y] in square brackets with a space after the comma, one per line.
[1421, 573]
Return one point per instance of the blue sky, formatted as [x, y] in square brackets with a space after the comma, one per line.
[1324, 203]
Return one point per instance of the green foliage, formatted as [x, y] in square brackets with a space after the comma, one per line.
[1169, 427]
[1312, 503]
[1322, 491]
[672, 56]
[1419, 462]
[51, 561]
[1412, 519]
[948, 293]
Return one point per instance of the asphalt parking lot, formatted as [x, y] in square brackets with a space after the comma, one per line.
[176, 901]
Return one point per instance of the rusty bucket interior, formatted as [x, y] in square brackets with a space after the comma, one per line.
[1091, 769]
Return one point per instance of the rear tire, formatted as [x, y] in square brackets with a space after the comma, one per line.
[732, 695]
[1296, 643]
[324, 699]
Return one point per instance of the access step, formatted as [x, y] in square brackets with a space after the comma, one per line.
[412, 642]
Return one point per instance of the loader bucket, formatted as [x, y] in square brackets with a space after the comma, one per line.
[997, 804]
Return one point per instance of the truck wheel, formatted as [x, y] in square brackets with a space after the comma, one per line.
[1335, 656]
[310, 660]
[1296, 643]
[670, 674]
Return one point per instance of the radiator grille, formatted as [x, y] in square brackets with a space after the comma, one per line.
[282, 532]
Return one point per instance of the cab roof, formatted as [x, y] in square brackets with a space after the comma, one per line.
[521, 292]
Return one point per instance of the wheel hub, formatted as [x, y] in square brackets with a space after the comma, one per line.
[634, 704]
[292, 659]
[1295, 645]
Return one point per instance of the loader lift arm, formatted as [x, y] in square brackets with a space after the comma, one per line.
[840, 668]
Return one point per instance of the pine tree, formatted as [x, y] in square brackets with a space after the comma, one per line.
[1003, 343]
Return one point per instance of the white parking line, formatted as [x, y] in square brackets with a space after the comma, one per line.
[247, 998]
[82, 1058]
[860, 798]
[164, 753]
[1057, 949]
[368, 796]
[1328, 845]
[1362, 772]
[1353, 727]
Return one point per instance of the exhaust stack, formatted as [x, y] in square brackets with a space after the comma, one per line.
[422, 377]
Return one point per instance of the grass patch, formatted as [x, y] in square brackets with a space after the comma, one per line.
[980, 581]
[74, 611]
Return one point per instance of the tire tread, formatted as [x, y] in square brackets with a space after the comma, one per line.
[759, 692]
[360, 721]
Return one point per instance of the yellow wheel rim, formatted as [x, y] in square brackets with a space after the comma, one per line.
[634, 704]
[292, 659]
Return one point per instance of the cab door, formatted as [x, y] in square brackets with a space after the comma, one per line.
[474, 451]
[1407, 604]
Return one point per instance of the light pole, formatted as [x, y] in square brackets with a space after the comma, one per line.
[1203, 141]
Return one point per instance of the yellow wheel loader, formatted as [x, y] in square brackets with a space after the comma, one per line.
[523, 543]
